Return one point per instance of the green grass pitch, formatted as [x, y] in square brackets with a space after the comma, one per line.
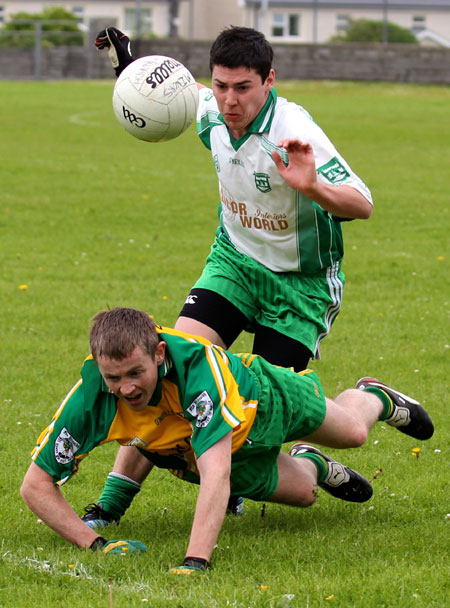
[91, 217]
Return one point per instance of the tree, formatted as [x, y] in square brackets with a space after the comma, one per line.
[20, 30]
[366, 30]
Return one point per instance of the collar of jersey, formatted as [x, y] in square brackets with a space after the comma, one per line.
[91, 373]
[163, 370]
[260, 124]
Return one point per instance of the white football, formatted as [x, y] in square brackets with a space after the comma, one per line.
[155, 98]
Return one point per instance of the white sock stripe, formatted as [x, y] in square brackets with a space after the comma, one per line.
[125, 478]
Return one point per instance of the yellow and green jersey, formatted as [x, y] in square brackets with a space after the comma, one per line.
[203, 392]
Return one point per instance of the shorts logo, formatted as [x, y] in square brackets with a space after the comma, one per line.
[65, 447]
[191, 299]
[137, 442]
[202, 408]
[262, 182]
[316, 390]
[334, 171]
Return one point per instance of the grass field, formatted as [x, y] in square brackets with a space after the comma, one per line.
[92, 218]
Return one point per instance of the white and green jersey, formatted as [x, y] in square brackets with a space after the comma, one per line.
[262, 216]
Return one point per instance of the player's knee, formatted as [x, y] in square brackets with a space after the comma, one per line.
[309, 499]
[306, 496]
[357, 436]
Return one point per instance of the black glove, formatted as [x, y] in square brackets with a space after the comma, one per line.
[118, 45]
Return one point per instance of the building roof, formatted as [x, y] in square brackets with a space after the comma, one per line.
[404, 4]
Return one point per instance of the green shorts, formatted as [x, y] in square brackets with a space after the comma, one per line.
[291, 406]
[295, 304]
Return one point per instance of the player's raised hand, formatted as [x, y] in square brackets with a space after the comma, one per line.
[118, 45]
[299, 168]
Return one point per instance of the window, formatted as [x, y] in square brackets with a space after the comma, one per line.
[277, 24]
[293, 21]
[418, 24]
[146, 21]
[342, 23]
[285, 25]
[78, 11]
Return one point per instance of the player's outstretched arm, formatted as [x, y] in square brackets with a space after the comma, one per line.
[44, 498]
[300, 174]
[118, 45]
[215, 468]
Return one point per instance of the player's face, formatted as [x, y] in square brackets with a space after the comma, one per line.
[240, 95]
[134, 378]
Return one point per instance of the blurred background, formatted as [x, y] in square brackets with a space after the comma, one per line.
[380, 40]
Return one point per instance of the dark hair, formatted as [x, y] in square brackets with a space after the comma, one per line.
[116, 333]
[242, 46]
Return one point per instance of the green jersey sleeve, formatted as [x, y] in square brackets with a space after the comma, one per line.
[213, 390]
[81, 422]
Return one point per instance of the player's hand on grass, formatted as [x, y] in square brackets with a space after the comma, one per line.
[118, 547]
[118, 45]
[191, 565]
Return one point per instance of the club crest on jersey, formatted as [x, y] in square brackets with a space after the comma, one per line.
[202, 408]
[262, 182]
[334, 171]
[65, 447]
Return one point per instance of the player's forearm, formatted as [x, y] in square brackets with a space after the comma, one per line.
[342, 201]
[209, 515]
[46, 501]
[300, 174]
[215, 468]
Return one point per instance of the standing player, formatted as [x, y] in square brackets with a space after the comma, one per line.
[275, 264]
[217, 417]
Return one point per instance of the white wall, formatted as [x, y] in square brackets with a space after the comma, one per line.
[204, 19]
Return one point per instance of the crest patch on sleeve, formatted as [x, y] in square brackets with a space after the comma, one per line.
[65, 447]
[334, 171]
[202, 408]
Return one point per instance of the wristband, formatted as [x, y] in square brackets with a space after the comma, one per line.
[98, 543]
[196, 562]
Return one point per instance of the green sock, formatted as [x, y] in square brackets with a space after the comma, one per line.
[388, 406]
[321, 464]
[118, 494]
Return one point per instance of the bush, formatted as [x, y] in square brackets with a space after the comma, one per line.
[21, 30]
[365, 30]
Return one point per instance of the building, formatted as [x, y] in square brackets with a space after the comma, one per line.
[283, 21]
[316, 21]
